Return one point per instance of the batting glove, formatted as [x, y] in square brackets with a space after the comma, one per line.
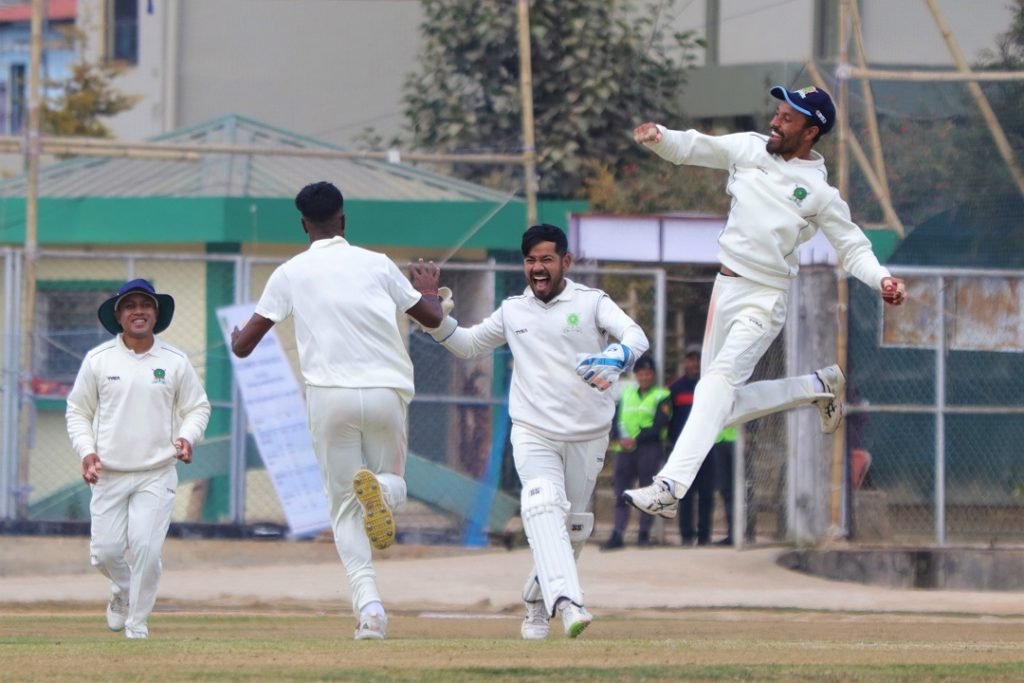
[603, 369]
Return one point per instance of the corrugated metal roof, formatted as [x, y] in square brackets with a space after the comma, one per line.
[225, 175]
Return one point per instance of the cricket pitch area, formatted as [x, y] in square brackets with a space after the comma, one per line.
[279, 611]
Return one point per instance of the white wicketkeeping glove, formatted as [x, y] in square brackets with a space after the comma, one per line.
[447, 302]
[603, 369]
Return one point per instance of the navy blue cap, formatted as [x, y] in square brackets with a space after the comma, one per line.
[811, 102]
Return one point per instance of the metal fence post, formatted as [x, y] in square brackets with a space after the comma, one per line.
[940, 414]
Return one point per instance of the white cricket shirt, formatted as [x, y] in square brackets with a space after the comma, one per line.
[345, 301]
[547, 395]
[128, 409]
[776, 206]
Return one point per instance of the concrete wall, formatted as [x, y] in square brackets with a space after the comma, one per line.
[317, 67]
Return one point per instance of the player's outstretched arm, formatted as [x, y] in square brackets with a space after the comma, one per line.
[244, 340]
[894, 291]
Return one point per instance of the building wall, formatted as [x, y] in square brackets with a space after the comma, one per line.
[317, 67]
[330, 69]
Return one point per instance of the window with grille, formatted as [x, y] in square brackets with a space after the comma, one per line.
[66, 328]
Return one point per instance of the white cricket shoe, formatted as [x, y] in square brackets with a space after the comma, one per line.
[655, 499]
[136, 635]
[377, 518]
[372, 627]
[575, 619]
[830, 410]
[536, 625]
[117, 612]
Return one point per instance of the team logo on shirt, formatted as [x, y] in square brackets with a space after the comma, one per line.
[159, 374]
[572, 323]
[799, 195]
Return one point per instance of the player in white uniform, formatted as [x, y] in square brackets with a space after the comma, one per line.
[136, 406]
[359, 379]
[560, 425]
[781, 197]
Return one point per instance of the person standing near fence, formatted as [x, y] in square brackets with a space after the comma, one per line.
[136, 407]
[641, 423]
[781, 198]
[345, 301]
[560, 425]
[701, 493]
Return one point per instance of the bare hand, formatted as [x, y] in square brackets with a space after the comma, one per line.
[647, 132]
[91, 468]
[425, 276]
[234, 335]
[184, 450]
[894, 291]
[627, 444]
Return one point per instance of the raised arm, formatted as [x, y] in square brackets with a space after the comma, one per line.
[244, 340]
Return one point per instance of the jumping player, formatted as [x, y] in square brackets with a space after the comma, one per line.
[781, 197]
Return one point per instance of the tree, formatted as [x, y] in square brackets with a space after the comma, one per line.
[85, 98]
[598, 67]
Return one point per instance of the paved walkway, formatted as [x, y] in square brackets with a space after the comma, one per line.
[239, 573]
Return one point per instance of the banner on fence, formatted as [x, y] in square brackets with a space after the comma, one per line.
[277, 416]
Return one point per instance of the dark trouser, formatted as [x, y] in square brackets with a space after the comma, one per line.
[722, 455]
[703, 489]
[640, 466]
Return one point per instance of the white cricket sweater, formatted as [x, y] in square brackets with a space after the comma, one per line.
[776, 206]
[129, 409]
[547, 395]
[345, 301]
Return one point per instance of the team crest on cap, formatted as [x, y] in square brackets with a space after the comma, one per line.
[804, 92]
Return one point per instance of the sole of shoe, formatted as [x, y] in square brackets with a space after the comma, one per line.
[377, 518]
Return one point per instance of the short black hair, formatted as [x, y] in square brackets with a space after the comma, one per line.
[545, 233]
[644, 362]
[319, 201]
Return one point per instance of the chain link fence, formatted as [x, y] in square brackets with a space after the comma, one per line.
[930, 457]
[935, 408]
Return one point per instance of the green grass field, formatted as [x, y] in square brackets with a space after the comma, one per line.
[58, 643]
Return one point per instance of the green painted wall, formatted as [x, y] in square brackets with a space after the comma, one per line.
[142, 220]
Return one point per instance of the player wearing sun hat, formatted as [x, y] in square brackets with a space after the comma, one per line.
[137, 406]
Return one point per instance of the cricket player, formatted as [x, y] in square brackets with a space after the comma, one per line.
[781, 198]
[136, 407]
[560, 425]
[359, 379]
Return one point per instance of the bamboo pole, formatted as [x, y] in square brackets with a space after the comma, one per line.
[838, 438]
[102, 147]
[31, 244]
[869, 105]
[842, 119]
[945, 76]
[891, 219]
[1002, 144]
[529, 156]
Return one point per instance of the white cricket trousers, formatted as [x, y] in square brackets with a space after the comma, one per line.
[131, 512]
[744, 318]
[572, 467]
[354, 429]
